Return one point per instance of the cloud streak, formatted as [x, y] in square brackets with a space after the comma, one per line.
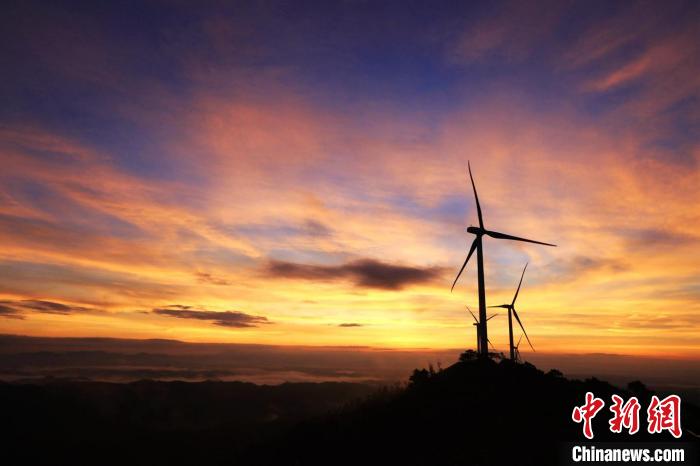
[232, 319]
[18, 308]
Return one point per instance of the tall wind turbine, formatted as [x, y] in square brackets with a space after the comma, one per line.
[512, 312]
[478, 333]
[477, 245]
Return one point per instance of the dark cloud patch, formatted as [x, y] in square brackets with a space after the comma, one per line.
[50, 307]
[374, 274]
[235, 319]
[10, 312]
[205, 277]
[350, 324]
[18, 308]
[366, 273]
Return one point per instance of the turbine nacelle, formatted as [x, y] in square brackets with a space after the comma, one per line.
[504, 306]
[475, 230]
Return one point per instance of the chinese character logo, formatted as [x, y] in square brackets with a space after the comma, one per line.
[661, 415]
[665, 415]
[587, 412]
[624, 415]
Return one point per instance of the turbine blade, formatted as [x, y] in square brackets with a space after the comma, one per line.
[476, 197]
[470, 311]
[491, 317]
[495, 234]
[505, 306]
[521, 282]
[522, 327]
[471, 251]
[492, 347]
[519, 340]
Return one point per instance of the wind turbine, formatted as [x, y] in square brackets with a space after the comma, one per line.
[478, 333]
[517, 351]
[512, 312]
[477, 245]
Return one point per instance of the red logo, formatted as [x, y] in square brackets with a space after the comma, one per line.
[665, 415]
[661, 415]
[587, 412]
[626, 415]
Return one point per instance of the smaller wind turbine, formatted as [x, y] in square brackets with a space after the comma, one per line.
[517, 351]
[512, 312]
[478, 330]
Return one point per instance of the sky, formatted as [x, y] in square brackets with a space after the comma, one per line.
[295, 173]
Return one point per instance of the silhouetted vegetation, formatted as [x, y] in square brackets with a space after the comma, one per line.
[473, 412]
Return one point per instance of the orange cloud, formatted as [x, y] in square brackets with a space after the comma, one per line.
[283, 179]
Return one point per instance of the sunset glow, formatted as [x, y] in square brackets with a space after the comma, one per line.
[231, 177]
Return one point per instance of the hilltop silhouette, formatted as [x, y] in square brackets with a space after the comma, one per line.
[473, 412]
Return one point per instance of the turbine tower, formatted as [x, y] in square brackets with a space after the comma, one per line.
[512, 312]
[477, 245]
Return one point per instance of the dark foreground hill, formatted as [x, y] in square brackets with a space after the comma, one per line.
[474, 412]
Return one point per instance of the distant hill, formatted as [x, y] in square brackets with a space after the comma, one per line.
[473, 412]
[51, 422]
[129, 360]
